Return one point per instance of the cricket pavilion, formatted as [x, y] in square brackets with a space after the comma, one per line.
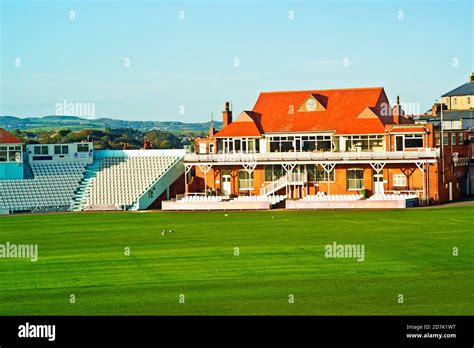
[339, 148]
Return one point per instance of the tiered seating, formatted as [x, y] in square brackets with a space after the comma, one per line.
[52, 189]
[120, 181]
[69, 169]
[277, 199]
[321, 196]
[239, 199]
[203, 199]
[388, 197]
[261, 198]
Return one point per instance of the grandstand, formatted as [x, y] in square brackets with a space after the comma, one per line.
[74, 177]
[121, 180]
[51, 189]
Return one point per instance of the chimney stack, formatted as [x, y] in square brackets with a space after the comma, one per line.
[471, 78]
[397, 111]
[146, 144]
[436, 108]
[226, 115]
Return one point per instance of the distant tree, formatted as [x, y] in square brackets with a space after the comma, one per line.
[163, 140]
[19, 135]
[64, 132]
[165, 144]
[109, 138]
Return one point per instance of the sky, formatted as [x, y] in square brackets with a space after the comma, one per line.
[181, 60]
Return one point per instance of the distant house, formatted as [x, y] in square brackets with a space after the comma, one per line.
[11, 157]
[462, 97]
[457, 106]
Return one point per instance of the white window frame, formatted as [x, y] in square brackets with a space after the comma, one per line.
[63, 150]
[351, 140]
[356, 180]
[82, 145]
[40, 149]
[248, 180]
[395, 141]
[399, 180]
[413, 136]
[301, 138]
[244, 142]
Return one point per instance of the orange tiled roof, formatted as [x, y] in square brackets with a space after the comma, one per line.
[239, 129]
[7, 138]
[279, 111]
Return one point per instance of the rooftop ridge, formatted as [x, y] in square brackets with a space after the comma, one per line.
[322, 90]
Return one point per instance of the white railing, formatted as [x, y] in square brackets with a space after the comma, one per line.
[314, 156]
[274, 186]
[288, 179]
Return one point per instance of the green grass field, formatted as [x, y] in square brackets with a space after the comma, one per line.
[407, 252]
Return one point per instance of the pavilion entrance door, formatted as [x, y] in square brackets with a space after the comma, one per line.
[226, 185]
[378, 183]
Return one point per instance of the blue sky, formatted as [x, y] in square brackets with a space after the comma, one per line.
[417, 49]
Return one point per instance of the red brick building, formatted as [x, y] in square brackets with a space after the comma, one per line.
[338, 141]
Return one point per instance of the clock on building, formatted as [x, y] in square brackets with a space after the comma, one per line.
[311, 104]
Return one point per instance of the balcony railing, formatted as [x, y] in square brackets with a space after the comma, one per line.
[314, 156]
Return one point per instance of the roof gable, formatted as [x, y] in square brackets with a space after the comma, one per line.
[367, 113]
[244, 117]
[7, 138]
[243, 126]
[313, 102]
